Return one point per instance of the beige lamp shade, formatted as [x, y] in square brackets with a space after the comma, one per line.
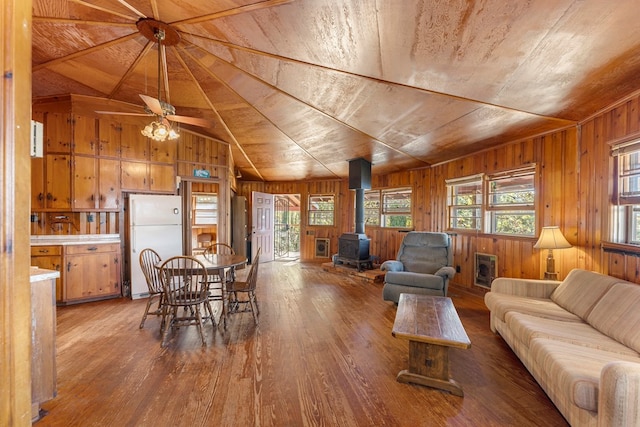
[551, 238]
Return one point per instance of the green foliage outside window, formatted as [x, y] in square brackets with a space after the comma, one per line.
[321, 209]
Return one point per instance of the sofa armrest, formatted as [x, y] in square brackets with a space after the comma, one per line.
[446, 272]
[392, 266]
[534, 288]
[619, 395]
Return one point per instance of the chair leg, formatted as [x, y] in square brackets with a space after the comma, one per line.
[146, 311]
[171, 313]
[255, 302]
[207, 307]
[254, 308]
[199, 324]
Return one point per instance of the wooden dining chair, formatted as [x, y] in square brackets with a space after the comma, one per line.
[221, 249]
[185, 286]
[149, 259]
[246, 288]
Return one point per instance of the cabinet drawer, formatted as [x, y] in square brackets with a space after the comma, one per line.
[46, 250]
[92, 249]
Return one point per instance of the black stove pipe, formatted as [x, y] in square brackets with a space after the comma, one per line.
[359, 180]
[360, 210]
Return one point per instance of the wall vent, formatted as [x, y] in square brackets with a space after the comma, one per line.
[322, 248]
[485, 269]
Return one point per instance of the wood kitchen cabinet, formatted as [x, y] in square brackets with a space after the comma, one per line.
[163, 151]
[50, 258]
[133, 145]
[57, 189]
[92, 271]
[95, 183]
[57, 132]
[51, 175]
[145, 176]
[85, 138]
[109, 135]
[87, 271]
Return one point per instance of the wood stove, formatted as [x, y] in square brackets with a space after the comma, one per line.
[355, 246]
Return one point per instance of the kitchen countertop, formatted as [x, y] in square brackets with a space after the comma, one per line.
[78, 239]
[38, 274]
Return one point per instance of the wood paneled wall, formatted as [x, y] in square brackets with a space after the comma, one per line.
[574, 192]
[343, 199]
[617, 124]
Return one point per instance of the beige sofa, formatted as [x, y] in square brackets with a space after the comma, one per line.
[579, 338]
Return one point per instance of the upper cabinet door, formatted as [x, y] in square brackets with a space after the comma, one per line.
[57, 130]
[58, 185]
[133, 144]
[163, 151]
[84, 135]
[110, 133]
[109, 184]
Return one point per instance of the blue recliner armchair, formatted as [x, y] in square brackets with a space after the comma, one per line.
[423, 266]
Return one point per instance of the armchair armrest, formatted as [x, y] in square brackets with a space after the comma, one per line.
[534, 288]
[619, 396]
[392, 266]
[446, 272]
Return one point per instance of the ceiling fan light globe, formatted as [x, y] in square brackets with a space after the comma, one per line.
[161, 132]
[148, 130]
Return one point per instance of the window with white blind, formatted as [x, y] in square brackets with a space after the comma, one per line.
[498, 203]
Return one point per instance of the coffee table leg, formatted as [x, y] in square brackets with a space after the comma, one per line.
[429, 366]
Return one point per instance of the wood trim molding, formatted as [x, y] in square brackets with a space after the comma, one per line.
[15, 187]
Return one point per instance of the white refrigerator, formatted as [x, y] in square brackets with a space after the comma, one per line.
[154, 222]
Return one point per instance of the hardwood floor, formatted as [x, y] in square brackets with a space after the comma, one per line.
[322, 355]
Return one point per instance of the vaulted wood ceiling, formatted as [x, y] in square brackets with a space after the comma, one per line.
[299, 87]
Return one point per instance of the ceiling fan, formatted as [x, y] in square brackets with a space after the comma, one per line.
[160, 129]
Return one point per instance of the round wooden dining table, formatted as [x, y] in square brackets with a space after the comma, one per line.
[218, 264]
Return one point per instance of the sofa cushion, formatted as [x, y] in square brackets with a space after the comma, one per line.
[572, 371]
[527, 327]
[581, 290]
[617, 314]
[417, 280]
[501, 304]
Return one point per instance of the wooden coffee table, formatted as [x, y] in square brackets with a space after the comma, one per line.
[432, 326]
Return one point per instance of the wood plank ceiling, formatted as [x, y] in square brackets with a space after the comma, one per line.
[299, 87]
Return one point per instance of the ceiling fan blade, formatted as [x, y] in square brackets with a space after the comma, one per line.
[191, 121]
[153, 104]
[122, 113]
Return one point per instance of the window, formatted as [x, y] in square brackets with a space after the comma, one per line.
[465, 203]
[511, 203]
[500, 203]
[372, 208]
[626, 212]
[388, 208]
[396, 208]
[321, 208]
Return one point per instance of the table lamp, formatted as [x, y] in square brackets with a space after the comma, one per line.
[551, 238]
